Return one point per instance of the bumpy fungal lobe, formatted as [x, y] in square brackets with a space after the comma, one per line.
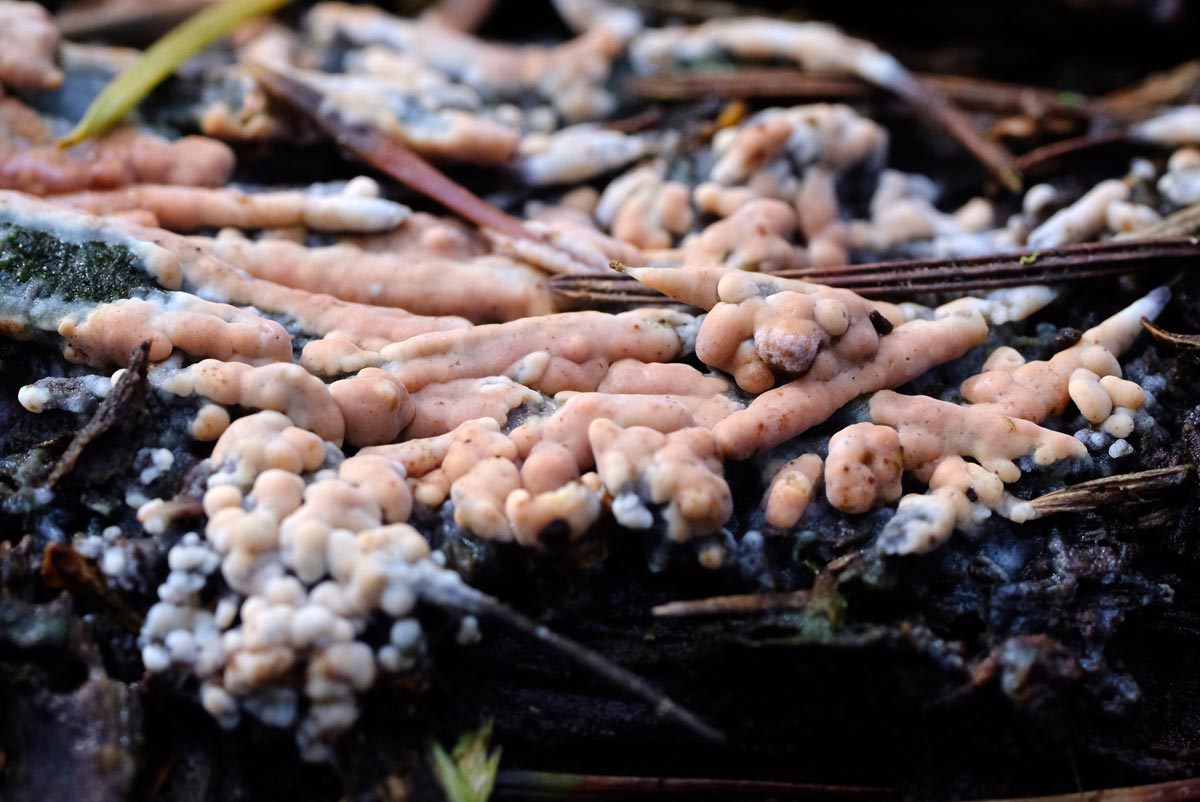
[681, 470]
[30, 161]
[643, 208]
[1010, 398]
[189, 208]
[791, 490]
[961, 495]
[762, 329]
[1035, 390]
[485, 288]
[930, 429]
[440, 408]
[170, 321]
[571, 76]
[864, 467]
[311, 554]
[567, 351]
[314, 565]
[29, 42]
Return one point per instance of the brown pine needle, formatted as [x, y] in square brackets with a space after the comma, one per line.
[1175, 791]
[385, 153]
[122, 20]
[737, 604]
[1152, 94]
[540, 785]
[788, 82]
[1047, 158]
[932, 105]
[1182, 223]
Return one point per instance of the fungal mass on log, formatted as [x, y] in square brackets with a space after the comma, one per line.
[359, 377]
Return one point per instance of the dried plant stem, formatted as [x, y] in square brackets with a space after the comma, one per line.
[1186, 342]
[64, 567]
[539, 785]
[1057, 265]
[788, 82]
[738, 604]
[121, 19]
[934, 107]
[1048, 157]
[1175, 791]
[1150, 95]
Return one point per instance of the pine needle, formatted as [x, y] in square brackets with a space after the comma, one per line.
[160, 60]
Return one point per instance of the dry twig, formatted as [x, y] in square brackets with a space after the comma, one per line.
[534, 785]
[739, 604]
[785, 82]
[124, 20]
[1040, 161]
[1175, 791]
[1128, 488]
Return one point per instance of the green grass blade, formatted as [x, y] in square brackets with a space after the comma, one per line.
[160, 60]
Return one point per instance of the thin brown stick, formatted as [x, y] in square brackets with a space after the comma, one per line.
[750, 82]
[1049, 157]
[931, 104]
[125, 394]
[646, 118]
[787, 82]
[1174, 791]
[124, 20]
[1152, 94]
[999, 97]
[738, 604]
[539, 785]
[386, 153]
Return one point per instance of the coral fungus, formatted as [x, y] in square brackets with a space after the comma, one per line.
[365, 386]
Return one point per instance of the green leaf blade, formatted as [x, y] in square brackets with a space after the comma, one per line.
[162, 58]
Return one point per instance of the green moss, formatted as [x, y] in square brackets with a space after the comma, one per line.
[89, 271]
